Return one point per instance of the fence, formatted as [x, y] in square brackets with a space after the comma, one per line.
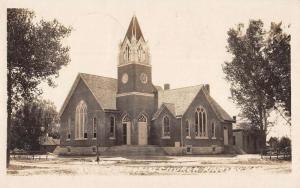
[278, 153]
[30, 155]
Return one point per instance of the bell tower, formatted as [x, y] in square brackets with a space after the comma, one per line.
[134, 68]
[135, 95]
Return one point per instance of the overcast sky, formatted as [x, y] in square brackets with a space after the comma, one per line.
[187, 39]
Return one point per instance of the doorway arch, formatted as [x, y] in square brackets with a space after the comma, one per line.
[126, 130]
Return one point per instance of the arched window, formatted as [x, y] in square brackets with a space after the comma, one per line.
[140, 53]
[127, 53]
[187, 129]
[213, 130]
[81, 120]
[112, 130]
[69, 129]
[166, 126]
[95, 128]
[200, 122]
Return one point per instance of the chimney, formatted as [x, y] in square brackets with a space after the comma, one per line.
[234, 118]
[166, 86]
[206, 86]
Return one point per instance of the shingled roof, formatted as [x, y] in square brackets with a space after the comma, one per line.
[183, 97]
[104, 90]
[134, 30]
[169, 106]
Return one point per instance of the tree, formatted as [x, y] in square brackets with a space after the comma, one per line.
[278, 53]
[32, 120]
[284, 142]
[252, 71]
[35, 54]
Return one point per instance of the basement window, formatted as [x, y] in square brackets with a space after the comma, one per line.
[189, 149]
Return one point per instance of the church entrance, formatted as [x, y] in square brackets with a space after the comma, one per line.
[142, 130]
[126, 127]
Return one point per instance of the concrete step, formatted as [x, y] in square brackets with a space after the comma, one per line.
[130, 150]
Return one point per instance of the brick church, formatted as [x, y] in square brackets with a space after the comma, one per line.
[131, 111]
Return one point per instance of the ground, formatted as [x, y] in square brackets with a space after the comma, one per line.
[169, 165]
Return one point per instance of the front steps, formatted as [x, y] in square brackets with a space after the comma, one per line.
[233, 150]
[134, 150]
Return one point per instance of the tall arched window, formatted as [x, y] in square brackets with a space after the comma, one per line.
[140, 53]
[127, 52]
[166, 126]
[187, 129]
[81, 120]
[112, 131]
[69, 129]
[213, 130]
[94, 127]
[200, 122]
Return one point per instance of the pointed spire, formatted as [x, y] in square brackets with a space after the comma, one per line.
[134, 29]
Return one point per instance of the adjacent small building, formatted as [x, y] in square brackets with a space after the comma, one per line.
[246, 138]
[48, 144]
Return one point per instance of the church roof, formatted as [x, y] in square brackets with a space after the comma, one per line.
[134, 29]
[183, 97]
[104, 90]
[169, 106]
[221, 113]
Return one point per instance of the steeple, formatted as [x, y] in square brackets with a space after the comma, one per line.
[134, 48]
[134, 30]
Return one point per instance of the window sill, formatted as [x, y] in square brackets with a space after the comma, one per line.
[68, 140]
[165, 137]
[94, 138]
[187, 137]
[214, 138]
[112, 138]
[201, 137]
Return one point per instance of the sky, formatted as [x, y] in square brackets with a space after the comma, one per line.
[187, 39]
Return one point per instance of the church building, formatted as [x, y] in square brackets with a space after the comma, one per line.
[131, 112]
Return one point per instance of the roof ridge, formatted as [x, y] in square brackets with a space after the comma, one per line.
[82, 73]
[184, 87]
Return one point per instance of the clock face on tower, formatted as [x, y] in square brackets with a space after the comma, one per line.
[144, 78]
[125, 78]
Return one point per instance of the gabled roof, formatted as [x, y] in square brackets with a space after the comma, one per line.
[220, 112]
[104, 90]
[134, 30]
[169, 106]
[183, 97]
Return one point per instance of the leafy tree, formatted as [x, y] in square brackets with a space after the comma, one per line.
[32, 120]
[284, 142]
[251, 72]
[278, 53]
[35, 54]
